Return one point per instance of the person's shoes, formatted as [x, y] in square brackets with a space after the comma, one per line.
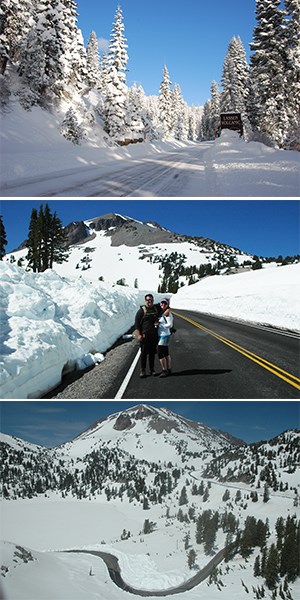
[164, 374]
[143, 374]
[153, 373]
[169, 371]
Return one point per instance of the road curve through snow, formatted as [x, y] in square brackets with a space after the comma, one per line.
[114, 570]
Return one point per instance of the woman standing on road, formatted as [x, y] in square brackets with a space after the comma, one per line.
[165, 323]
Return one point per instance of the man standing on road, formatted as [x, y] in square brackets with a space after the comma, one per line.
[146, 323]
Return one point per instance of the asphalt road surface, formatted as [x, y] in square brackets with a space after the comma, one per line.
[214, 358]
[112, 564]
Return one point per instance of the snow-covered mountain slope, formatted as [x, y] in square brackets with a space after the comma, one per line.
[145, 435]
[116, 248]
[151, 434]
[147, 512]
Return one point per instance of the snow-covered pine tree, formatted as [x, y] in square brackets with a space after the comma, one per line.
[235, 80]
[152, 112]
[116, 88]
[206, 122]
[70, 127]
[268, 72]
[180, 117]
[215, 96]
[165, 104]
[104, 69]
[16, 19]
[93, 62]
[292, 47]
[134, 113]
[53, 55]
[148, 119]
[74, 50]
[102, 84]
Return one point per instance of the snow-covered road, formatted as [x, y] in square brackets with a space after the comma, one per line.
[227, 167]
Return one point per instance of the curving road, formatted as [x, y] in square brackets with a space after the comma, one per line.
[114, 570]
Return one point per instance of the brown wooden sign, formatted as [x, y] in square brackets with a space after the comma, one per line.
[231, 120]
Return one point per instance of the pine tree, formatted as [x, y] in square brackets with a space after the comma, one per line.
[206, 122]
[16, 19]
[191, 558]
[180, 117]
[33, 242]
[165, 104]
[52, 56]
[235, 77]
[292, 58]
[116, 89]
[183, 497]
[215, 109]
[57, 242]
[268, 106]
[272, 567]
[46, 240]
[93, 61]
[134, 113]
[256, 568]
[70, 128]
[3, 239]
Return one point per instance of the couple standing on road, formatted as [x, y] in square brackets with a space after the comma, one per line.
[153, 323]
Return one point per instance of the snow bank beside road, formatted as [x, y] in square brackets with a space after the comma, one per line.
[269, 296]
[50, 323]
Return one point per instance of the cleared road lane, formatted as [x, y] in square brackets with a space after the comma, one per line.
[214, 358]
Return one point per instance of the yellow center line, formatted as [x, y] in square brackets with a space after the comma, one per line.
[288, 377]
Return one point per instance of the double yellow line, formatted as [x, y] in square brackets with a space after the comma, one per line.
[287, 377]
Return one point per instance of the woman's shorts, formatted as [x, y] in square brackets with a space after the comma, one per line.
[162, 351]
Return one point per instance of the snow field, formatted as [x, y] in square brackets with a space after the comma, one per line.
[153, 561]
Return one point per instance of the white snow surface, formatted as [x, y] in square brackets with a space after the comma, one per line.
[269, 296]
[148, 562]
[51, 323]
[37, 160]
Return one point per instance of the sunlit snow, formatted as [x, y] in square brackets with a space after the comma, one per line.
[36, 160]
[52, 323]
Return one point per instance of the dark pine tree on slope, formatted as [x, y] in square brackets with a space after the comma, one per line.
[116, 88]
[3, 239]
[46, 241]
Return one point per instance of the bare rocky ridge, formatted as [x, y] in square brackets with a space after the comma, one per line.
[128, 231]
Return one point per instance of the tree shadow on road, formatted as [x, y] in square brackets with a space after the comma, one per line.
[200, 372]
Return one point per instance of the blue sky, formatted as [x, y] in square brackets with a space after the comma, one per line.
[51, 423]
[190, 37]
[262, 227]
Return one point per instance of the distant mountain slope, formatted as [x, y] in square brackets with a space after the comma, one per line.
[118, 249]
[142, 447]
